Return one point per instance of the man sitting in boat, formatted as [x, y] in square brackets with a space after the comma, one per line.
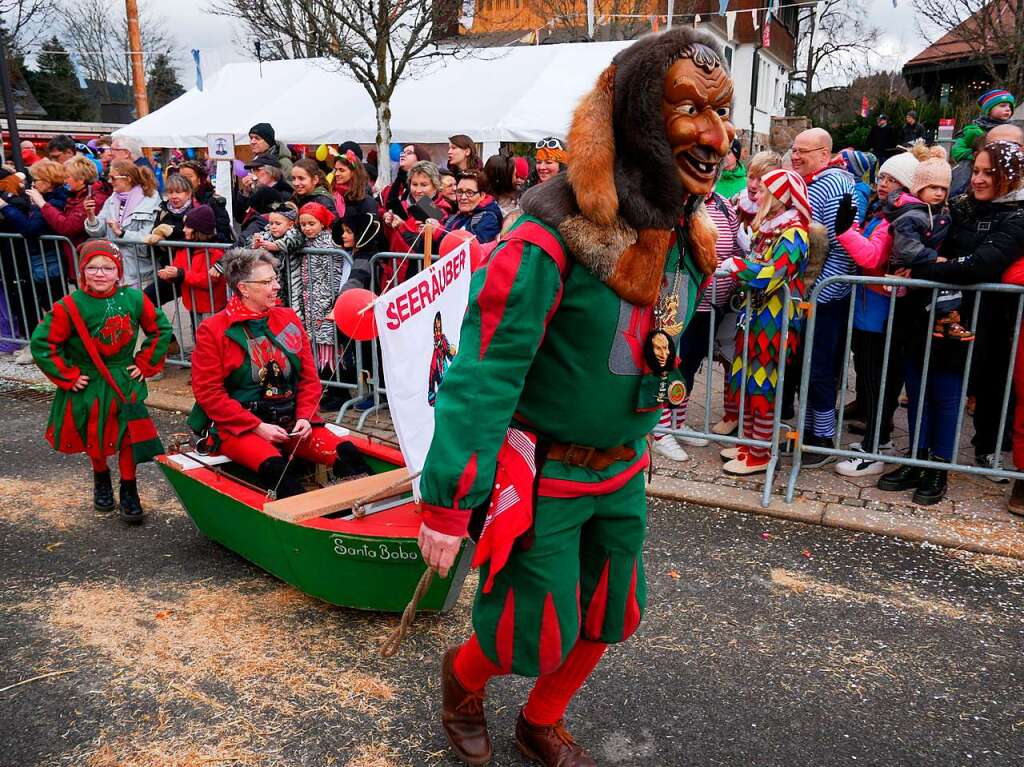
[256, 385]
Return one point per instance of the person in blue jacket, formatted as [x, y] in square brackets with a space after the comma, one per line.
[478, 213]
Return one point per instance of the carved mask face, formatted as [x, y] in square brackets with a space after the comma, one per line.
[696, 105]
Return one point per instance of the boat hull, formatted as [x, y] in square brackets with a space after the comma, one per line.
[367, 564]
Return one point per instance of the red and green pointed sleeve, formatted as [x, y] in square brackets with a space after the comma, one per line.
[510, 304]
[783, 260]
[47, 346]
[154, 323]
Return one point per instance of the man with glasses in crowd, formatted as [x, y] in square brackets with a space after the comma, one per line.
[827, 182]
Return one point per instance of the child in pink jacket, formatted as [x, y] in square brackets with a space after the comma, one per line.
[871, 250]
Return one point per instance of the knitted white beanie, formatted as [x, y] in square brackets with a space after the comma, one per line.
[901, 167]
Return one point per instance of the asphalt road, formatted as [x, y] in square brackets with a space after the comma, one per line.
[765, 643]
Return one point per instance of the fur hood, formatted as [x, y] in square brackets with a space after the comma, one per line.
[621, 198]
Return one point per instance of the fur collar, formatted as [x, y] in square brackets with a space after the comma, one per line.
[628, 260]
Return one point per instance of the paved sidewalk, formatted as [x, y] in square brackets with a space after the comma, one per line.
[972, 517]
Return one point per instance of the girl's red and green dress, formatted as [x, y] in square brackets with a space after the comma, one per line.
[90, 421]
[549, 348]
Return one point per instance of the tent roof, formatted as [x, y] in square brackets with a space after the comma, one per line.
[519, 93]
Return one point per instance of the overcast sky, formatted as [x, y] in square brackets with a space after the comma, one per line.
[194, 27]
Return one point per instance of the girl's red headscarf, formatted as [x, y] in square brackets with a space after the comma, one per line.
[319, 212]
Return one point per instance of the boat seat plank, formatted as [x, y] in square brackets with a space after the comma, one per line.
[328, 500]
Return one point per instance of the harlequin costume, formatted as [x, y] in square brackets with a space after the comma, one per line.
[96, 419]
[541, 421]
[244, 358]
[778, 257]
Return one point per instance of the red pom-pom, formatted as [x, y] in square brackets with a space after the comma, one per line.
[452, 240]
[361, 327]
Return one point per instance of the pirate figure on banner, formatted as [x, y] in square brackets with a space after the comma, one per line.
[256, 385]
[568, 353]
[444, 352]
[86, 346]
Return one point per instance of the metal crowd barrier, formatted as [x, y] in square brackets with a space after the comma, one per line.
[32, 278]
[375, 387]
[914, 419]
[34, 273]
[773, 445]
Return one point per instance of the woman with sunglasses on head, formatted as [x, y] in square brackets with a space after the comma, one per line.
[86, 346]
[550, 160]
[478, 213]
[128, 214]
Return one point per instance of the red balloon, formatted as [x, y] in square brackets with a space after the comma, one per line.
[361, 327]
[486, 251]
[452, 240]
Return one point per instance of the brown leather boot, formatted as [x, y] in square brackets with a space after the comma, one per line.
[462, 716]
[551, 745]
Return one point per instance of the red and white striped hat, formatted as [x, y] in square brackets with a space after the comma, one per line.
[789, 188]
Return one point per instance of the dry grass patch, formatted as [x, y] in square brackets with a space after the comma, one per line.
[63, 503]
[900, 598]
[242, 648]
[174, 753]
[375, 755]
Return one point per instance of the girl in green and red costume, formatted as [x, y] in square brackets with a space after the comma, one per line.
[778, 256]
[86, 416]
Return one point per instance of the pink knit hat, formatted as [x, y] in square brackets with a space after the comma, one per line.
[932, 172]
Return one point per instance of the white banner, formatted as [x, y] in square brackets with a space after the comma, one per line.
[419, 323]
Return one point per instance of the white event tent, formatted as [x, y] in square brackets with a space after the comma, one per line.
[520, 93]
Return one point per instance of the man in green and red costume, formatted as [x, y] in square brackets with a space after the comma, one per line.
[542, 418]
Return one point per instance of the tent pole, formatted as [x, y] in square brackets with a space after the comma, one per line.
[135, 51]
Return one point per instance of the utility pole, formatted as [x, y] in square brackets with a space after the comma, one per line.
[135, 52]
[12, 118]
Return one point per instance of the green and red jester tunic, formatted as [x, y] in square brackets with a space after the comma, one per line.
[548, 348]
[88, 421]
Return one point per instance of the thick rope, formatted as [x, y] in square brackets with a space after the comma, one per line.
[393, 642]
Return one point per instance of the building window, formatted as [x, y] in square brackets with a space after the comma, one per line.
[765, 86]
[728, 56]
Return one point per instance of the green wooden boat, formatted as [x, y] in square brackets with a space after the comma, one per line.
[371, 563]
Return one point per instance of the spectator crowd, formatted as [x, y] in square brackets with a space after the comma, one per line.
[792, 227]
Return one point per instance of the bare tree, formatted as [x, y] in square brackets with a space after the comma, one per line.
[26, 21]
[376, 41]
[98, 31]
[992, 29]
[830, 45]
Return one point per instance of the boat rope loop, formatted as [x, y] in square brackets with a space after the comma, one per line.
[393, 642]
